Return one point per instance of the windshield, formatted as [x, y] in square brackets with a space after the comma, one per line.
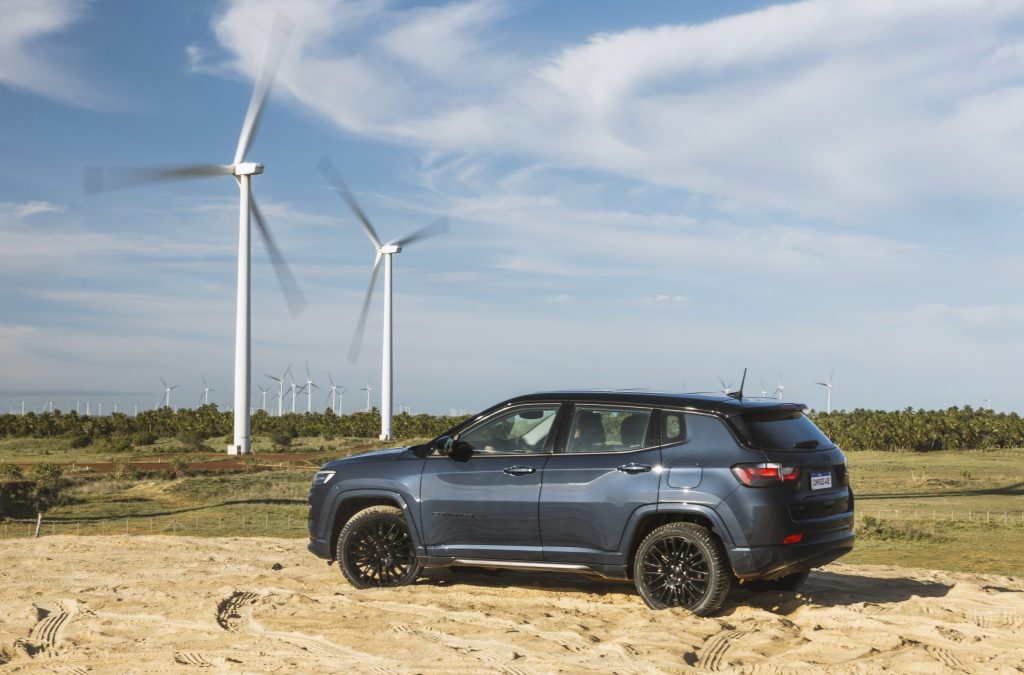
[782, 430]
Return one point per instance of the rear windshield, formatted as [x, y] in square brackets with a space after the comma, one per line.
[782, 430]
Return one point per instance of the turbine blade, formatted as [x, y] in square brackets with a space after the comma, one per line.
[100, 179]
[357, 339]
[330, 173]
[276, 46]
[163, 383]
[439, 226]
[292, 293]
[330, 378]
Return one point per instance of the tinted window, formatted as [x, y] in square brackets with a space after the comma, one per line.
[673, 427]
[520, 431]
[782, 430]
[599, 429]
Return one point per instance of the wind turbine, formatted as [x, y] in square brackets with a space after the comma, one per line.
[280, 389]
[764, 392]
[97, 179]
[263, 393]
[726, 388]
[367, 389]
[332, 396]
[167, 393]
[779, 389]
[828, 390]
[385, 251]
[309, 390]
[205, 398]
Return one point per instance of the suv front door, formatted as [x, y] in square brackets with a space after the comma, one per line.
[486, 507]
[594, 484]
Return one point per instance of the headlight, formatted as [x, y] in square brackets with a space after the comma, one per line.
[322, 477]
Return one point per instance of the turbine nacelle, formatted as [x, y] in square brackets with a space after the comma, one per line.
[246, 169]
[388, 249]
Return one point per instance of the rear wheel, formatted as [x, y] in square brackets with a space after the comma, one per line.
[682, 565]
[375, 549]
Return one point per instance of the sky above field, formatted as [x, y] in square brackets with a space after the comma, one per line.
[647, 194]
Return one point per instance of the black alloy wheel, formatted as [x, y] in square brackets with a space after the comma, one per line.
[376, 550]
[682, 565]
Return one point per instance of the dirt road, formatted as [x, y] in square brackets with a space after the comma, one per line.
[176, 604]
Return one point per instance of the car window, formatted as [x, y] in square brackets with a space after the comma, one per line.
[673, 427]
[520, 431]
[782, 430]
[601, 429]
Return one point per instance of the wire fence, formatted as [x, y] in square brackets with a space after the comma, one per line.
[221, 525]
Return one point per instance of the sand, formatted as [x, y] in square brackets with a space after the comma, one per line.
[176, 604]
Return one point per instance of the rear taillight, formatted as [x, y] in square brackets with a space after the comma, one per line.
[765, 473]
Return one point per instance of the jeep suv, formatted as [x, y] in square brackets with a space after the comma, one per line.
[682, 493]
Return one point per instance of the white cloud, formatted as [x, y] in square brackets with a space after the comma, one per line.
[29, 58]
[824, 108]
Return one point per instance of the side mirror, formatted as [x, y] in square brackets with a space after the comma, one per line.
[443, 445]
[460, 451]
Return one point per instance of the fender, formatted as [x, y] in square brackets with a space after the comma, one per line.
[706, 512]
[341, 497]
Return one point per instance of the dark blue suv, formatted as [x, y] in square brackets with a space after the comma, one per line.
[682, 493]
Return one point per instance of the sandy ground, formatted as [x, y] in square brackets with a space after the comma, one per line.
[176, 604]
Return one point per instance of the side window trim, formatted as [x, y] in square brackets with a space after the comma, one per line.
[547, 450]
[570, 416]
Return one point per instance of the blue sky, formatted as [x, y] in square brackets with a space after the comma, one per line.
[647, 194]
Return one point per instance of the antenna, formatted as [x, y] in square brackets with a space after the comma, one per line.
[738, 395]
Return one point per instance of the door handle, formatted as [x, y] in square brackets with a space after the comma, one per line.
[519, 470]
[633, 468]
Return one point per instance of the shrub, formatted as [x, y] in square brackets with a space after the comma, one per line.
[80, 439]
[179, 468]
[143, 438]
[123, 469]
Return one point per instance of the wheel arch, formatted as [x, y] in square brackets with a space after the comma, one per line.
[681, 513]
[352, 502]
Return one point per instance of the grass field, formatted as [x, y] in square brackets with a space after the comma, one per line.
[961, 511]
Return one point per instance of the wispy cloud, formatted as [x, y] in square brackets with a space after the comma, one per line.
[822, 108]
[31, 58]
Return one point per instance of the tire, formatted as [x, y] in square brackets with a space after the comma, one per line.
[788, 583]
[682, 565]
[375, 549]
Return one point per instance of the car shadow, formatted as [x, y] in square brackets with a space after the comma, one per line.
[832, 589]
[562, 582]
[822, 589]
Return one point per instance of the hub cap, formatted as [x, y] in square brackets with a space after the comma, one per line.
[380, 553]
[676, 572]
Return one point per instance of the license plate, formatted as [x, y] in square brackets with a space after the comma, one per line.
[821, 480]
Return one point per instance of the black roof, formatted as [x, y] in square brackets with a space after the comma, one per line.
[718, 404]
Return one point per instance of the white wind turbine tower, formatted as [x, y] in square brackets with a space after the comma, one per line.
[779, 389]
[263, 394]
[309, 390]
[385, 251]
[332, 396]
[367, 389]
[205, 398]
[828, 391]
[295, 391]
[97, 179]
[167, 393]
[280, 389]
[764, 392]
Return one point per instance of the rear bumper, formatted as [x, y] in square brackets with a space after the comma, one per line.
[771, 562]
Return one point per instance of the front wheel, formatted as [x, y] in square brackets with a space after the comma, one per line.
[682, 565]
[376, 550]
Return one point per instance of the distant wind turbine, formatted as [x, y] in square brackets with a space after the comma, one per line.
[167, 393]
[764, 392]
[828, 391]
[263, 393]
[332, 396]
[726, 388]
[780, 388]
[309, 390]
[280, 389]
[367, 389]
[385, 251]
[205, 398]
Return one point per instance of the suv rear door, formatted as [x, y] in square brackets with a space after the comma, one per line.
[601, 472]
